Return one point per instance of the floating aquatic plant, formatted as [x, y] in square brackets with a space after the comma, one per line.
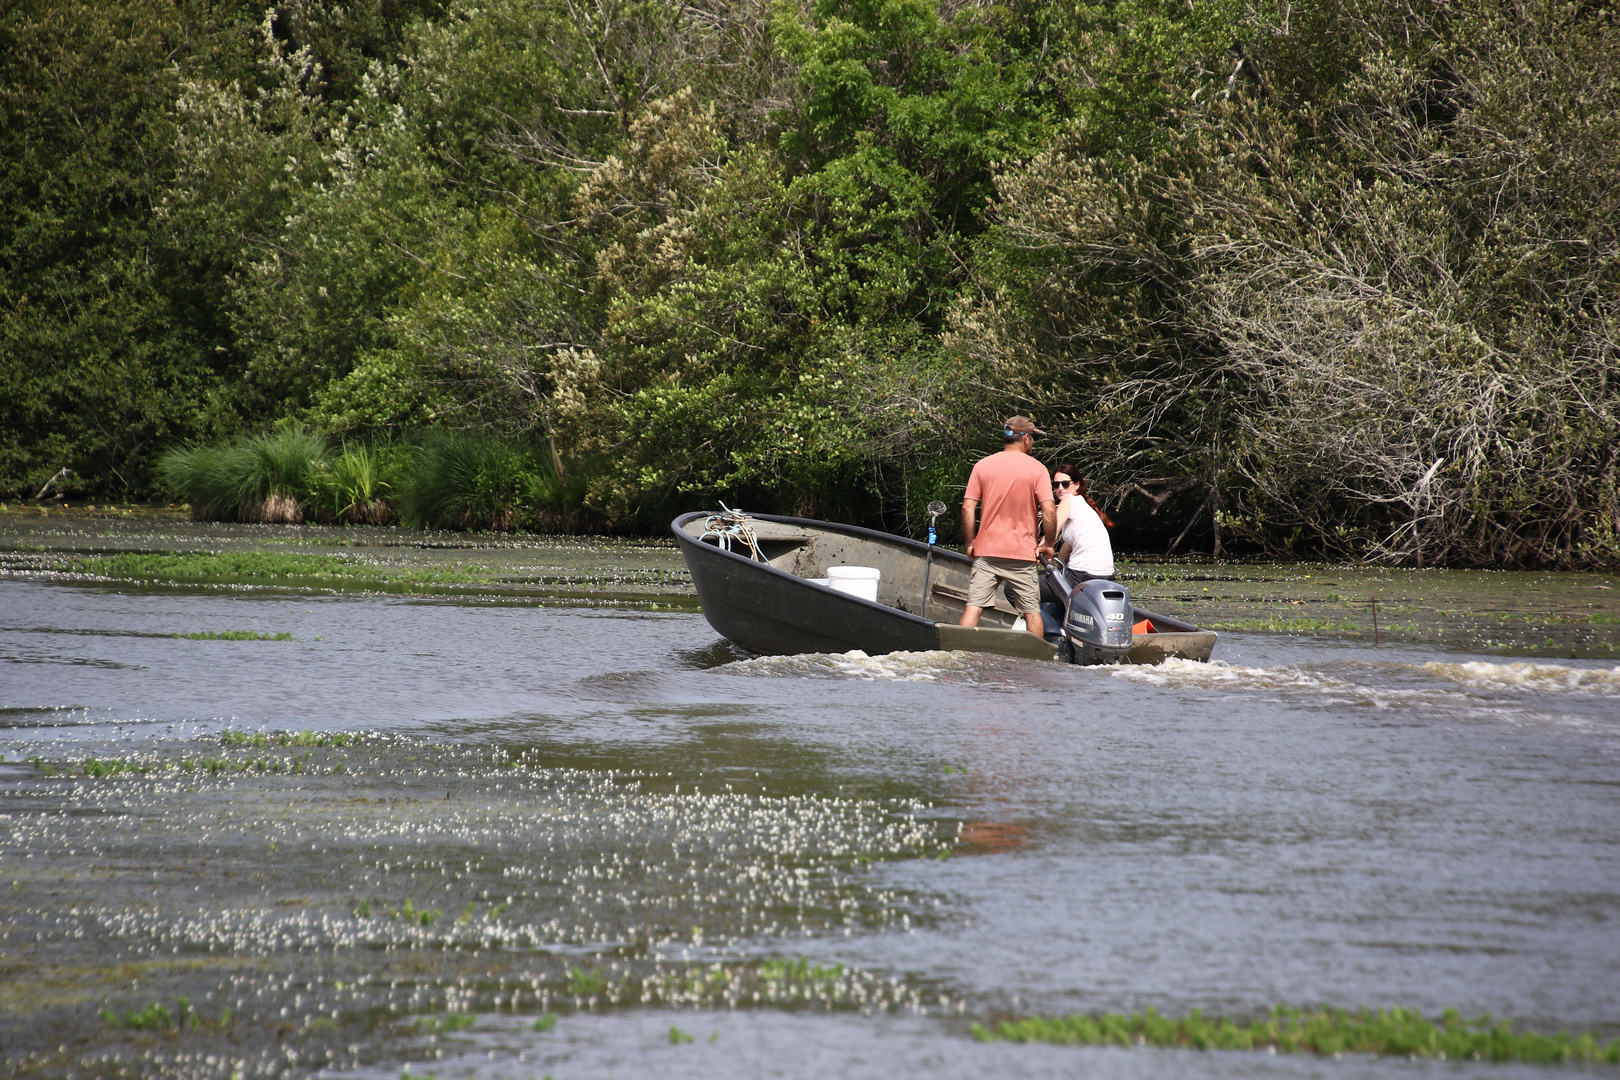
[233, 737]
[799, 971]
[102, 768]
[1325, 1031]
[440, 1024]
[1278, 625]
[584, 982]
[263, 566]
[157, 1017]
[235, 635]
[226, 566]
[545, 1021]
[409, 912]
[97, 768]
[154, 1016]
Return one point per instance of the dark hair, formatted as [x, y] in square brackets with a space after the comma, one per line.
[1079, 489]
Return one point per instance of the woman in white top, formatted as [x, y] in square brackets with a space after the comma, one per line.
[1082, 528]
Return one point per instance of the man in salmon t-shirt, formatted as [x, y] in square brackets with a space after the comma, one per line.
[1010, 487]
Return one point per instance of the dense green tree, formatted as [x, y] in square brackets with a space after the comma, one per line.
[110, 332]
[1291, 273]
[1332, 319]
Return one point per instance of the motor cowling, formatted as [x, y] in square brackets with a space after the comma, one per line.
[1099, 621]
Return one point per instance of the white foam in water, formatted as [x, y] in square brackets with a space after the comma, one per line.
[1545, 678]
[1501, 691]
[895, 666]
[1218, 673]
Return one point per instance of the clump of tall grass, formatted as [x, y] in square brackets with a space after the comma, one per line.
[555, 503]
[1401, 1032]
[266, 477]
[465, 481]
[358, 483]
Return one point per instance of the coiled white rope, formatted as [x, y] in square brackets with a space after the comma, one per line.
[730, 528]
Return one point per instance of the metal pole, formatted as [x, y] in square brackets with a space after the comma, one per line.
[935, 509]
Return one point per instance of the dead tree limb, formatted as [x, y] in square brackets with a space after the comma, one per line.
[63, 473]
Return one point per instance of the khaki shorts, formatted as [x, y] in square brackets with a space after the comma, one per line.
[1023, 584]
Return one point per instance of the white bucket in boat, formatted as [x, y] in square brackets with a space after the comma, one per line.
[861, 581]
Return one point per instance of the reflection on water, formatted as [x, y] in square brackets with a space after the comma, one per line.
[413, 810]
[987, 837]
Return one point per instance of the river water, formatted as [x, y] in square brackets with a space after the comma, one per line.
[422, 808]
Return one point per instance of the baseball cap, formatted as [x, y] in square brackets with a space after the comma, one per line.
[1021, 425]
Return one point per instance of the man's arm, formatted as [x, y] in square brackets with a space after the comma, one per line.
[970, 513]
[1048, 528]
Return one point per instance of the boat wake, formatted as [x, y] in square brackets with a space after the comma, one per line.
[855, 664]
[1476, 675]
[1541, 678]
[1519, 692]
[1217, 674]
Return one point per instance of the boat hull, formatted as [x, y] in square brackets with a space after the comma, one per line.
[770, 611]
[773, 607]
[768, 615]
[1157, 648]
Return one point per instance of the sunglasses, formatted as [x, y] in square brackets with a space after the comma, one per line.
[1062, 483]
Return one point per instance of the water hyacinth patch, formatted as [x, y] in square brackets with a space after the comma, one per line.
[1400, 1032]
[409, 912]
[158, 1017]
[233, 737]
[585, 983]
[223, 566]
[97, 768]
[235, 635]
[799, 971]
[279, 567]
[433, 1025]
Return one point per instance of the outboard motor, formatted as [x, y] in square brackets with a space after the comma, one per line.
[1098, 629]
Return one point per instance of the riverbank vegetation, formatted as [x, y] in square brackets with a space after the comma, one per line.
[1318, 278]
[431, 480]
